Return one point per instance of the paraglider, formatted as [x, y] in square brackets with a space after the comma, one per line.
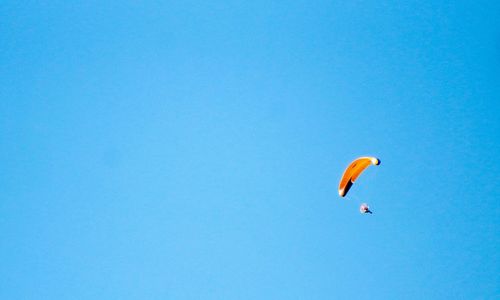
[352, 172]
[364, 209]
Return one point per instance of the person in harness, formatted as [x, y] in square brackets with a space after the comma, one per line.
[364, 209]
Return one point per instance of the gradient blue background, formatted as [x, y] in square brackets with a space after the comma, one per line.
[192, 149]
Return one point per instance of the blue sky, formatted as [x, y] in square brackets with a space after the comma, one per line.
[192, 149]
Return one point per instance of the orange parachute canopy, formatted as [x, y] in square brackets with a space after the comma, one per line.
[353, 171]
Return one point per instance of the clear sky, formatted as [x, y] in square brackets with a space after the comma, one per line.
[192, 149]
